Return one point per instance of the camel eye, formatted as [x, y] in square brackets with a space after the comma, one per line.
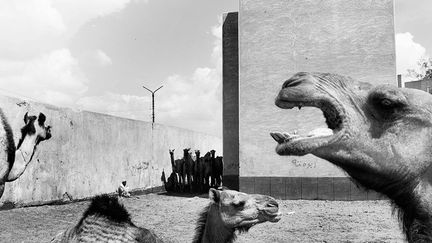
[239, 204]
[386, 102]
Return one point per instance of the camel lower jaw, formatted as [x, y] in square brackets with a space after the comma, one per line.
[273, 218]
[301, 145]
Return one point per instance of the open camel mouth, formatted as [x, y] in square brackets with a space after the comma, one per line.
[273, 218]
[296, 144]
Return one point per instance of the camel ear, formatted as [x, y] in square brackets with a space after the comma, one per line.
[214, 195]
[41, 119]
[26, 118]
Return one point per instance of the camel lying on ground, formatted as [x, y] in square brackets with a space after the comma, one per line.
[381, 136]
[14, 160]
[106, 220]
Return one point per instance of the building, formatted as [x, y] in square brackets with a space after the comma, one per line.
[266, 43]
[424, 84]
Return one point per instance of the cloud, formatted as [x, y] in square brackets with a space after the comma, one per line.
[53, 78]
[29, 27]
[189, 101]
[95, 58]
[78, 12]
[121, 105]
[35, 61]
[408, 53]
[32, 27]
[195, 101]
[102, 58]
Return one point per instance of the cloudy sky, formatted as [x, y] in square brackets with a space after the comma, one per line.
[97, 54]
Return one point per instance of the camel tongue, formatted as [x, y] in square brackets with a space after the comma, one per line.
[320, 132]
[283, 137]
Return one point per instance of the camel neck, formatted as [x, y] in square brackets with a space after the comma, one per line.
[416, 213]
[8, 154]
[214, 229]
[23, 157]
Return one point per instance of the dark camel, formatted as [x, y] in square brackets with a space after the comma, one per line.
[188, 168]
[381, 136]
[106, 220]
[15, 159]
[206, 171]
[217, 170]
[230, 211]
[177, 168]
[171, 184]
[198, 178]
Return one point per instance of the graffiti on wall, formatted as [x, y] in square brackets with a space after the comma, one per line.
[303, 164]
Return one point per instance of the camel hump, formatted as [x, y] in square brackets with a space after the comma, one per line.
[109, 207]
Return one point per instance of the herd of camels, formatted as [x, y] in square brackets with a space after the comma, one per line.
[380, 135]
[194, 175]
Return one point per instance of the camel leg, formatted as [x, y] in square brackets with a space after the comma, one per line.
[2, 188]
[205, 184]
[184, 182]
[212, 184]
[191, 182]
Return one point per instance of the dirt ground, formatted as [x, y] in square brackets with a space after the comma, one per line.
[173, 219]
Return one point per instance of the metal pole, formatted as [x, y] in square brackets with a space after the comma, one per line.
[153, 116]
[153, 92]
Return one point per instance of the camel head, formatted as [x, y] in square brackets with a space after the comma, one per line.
[171, 151]
[197, 153]
[241, 211]
[380, 135]
[186, 152]
[33, 132]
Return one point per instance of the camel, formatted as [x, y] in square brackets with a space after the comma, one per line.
[217, 170]
[188, 168]
[206, 170]
[198, 183]
[230, 211]
[15, 159]
[171, 184]
[380, 135]
[106, 220]
[177, 168]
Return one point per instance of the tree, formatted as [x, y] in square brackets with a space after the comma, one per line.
[425, 67]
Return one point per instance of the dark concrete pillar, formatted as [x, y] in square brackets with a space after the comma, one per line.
[230, 101]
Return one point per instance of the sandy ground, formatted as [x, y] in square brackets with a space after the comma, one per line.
[173, 219]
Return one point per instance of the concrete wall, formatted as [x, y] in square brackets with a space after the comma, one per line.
[425, 85]
[278, 38]
[91, 153]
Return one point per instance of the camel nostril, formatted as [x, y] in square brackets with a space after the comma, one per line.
[291, 83]
[272, 203]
